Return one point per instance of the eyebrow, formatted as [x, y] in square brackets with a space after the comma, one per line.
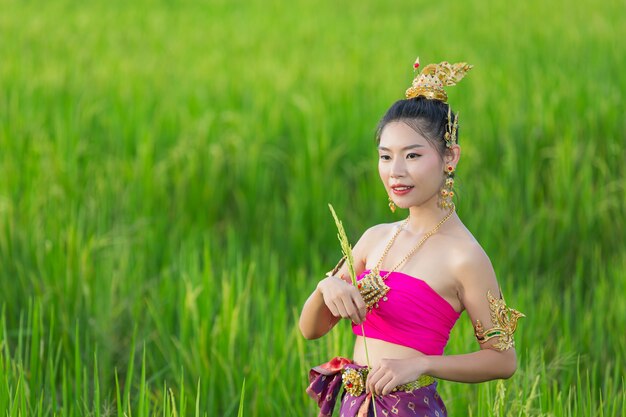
[382, 148]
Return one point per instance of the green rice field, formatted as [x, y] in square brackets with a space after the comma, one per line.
[165, 170]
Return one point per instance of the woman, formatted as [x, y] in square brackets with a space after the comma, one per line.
[415, 277]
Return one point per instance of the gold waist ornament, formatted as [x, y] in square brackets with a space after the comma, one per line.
[354, 381]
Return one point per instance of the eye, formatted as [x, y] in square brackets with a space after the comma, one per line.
[384, 157]
[413, 156]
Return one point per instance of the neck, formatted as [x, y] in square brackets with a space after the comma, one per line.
[423, 218]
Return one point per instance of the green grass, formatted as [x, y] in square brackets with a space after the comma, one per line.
[165, 170]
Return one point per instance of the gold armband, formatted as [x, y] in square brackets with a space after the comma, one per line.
[337, 267]
[505, 324]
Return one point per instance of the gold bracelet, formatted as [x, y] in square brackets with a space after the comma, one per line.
[505, 320]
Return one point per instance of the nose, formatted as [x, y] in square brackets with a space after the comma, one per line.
[398, 168]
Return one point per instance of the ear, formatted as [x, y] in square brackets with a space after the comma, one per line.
[452, 155]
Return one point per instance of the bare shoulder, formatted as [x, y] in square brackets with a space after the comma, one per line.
[470, 264]
[373, 236]
[380, 230]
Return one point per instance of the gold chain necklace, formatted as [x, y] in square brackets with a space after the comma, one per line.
[372, 287]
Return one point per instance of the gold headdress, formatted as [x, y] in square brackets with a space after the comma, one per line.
[430, 82]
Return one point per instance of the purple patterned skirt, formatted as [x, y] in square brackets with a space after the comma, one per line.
[325, 384]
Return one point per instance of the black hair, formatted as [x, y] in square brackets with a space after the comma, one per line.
[427, 117]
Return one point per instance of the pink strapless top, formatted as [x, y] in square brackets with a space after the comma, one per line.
[414, 315]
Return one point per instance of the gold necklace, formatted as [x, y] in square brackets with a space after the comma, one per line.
[372, 287]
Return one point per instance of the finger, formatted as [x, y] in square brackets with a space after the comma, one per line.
[352, 311]
[383, 382]
[332, 307]
[372, 378]
[357, 305]
[342, 308]
[361, 308]
[389, 386]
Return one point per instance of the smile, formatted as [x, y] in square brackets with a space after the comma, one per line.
[401, 189]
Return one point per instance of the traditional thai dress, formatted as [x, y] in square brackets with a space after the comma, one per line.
[411, 314]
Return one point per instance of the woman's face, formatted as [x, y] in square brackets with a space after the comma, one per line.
[410, 167]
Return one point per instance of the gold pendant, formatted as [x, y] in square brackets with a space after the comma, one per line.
[373, 288]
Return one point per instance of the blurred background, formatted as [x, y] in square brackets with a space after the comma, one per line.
[165, 170]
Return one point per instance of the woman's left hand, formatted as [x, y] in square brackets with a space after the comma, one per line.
[393, 372]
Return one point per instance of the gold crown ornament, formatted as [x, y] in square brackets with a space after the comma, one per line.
[430, 82]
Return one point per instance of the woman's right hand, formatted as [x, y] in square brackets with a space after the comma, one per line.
[342, 299]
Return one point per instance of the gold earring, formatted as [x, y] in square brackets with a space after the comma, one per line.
[392, 205]
[446, 194]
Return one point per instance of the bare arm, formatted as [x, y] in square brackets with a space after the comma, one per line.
[316, 318]
[480, 366]
[477, 277]
[335, 297]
